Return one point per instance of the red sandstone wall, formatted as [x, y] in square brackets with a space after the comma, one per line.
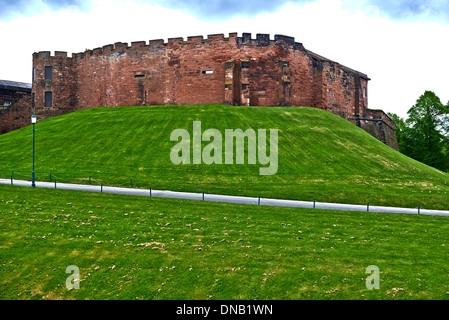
[265, 73]
[304, 82]
[339, 90]
[188, 67]
[16, 116]
[63, 85]
[11, 96]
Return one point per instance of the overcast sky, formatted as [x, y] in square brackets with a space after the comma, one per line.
[402, 45]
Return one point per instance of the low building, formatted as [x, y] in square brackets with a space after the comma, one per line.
[233, 70]
[15, 105]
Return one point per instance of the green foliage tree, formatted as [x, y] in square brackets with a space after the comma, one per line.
[424, 136]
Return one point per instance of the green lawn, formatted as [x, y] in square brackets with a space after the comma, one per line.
[321, 155]
[130, 247]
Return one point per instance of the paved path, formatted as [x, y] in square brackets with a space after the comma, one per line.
[222, 198]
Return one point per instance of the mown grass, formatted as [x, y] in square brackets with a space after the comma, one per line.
[321, 155]
[130, 247]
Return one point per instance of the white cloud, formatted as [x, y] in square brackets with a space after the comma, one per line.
[403, 59]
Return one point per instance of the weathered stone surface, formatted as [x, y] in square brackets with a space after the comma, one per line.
[15, 105]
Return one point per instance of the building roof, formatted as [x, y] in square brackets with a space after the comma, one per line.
[13, 85]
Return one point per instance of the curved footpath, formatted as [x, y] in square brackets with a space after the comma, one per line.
[223, 198]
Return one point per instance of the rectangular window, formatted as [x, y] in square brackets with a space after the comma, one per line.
[48, 99]
[48, 73]
[208, 72]
[33, 100]
[284, 64]
[245, 64]
[364, 92]
[34, 74]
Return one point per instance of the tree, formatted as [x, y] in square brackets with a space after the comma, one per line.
[424, 136]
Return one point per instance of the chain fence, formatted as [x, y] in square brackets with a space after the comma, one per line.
[129, 183]
[51, 177]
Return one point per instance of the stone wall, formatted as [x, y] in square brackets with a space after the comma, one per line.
[264, 72]
[379, 125]
[15, 105]
[16, 116]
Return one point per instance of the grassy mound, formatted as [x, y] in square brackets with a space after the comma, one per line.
[321, 155]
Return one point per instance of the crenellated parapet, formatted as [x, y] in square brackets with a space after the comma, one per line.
[261, 40]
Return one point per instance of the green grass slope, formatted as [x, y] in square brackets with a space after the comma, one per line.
[131, 247]
[321, 155]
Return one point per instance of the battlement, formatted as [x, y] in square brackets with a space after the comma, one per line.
[233, 39]
[263, 40]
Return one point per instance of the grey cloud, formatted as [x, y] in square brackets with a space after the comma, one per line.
[10, 9]
[205, 10]
[394, 9]
[411, 9]
[225, 9]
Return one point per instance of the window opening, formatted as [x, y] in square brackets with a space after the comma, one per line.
[48, 73]
[48, 99]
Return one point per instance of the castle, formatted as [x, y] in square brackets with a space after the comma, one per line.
[227, 70]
